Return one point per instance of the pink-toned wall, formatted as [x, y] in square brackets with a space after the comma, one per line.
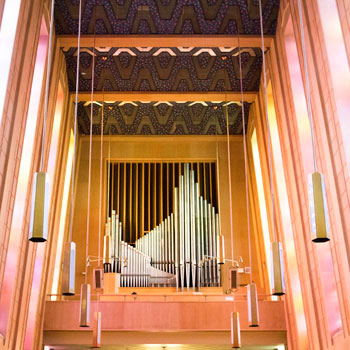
[26, 294]
[327, 327]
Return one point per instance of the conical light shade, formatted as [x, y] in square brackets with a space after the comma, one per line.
[235, 330]
[318, 208]
[221, 249]
[96, 333]
[39, 210]
[253, 312]
[278, 287]
[68, 271]
[85, 295]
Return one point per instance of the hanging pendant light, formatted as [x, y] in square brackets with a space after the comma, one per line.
[96, 333]
[235, 331]
[317, 194]
[68, 271]
[85, 299]
[253, 312]
[38, 225]
[39, 210]
[278, 287]
[318, 208]
[276, 247]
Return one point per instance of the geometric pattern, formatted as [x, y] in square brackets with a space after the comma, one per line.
[166, 17]
[166, 118]
[165, 69]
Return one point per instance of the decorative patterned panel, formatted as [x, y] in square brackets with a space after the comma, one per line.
[166, 69]
[166, 16]
[166, 118]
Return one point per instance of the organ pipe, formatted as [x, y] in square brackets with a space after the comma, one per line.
[184, 250]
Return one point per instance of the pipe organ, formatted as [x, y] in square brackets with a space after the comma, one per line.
[179, 251]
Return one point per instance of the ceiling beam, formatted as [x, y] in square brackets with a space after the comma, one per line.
[161, 40]
[164, 96]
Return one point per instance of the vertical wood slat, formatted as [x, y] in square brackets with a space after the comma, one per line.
[112, 191]
[124, 201]
[167, 190]
[143, 199]
[210, 184]
[149, 197]
[198, 177]
[161, 193]
[137, 203]
[118, 187]
[174, 183]
[155, 195]
[129, 182]
[130, 201]
[205, 182]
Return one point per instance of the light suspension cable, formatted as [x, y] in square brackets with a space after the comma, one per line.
[220, 237]
[267, 125]
[307, 85]
[245, 157]
[108, 178]
[90, 154]
[75, 126]
[229, 178]
[278, 287]
[96, 342]
[100, 203]
[252, 295]
[85, 292]
[68, 270]
[47, 87]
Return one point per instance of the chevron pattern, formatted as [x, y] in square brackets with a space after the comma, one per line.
[165, 69]
[168, 118]
[166, 16]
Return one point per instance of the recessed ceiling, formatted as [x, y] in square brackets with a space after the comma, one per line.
[165, 70]
[162, 118]
[166, 16]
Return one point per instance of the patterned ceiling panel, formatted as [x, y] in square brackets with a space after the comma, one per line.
[165, 69]
[166, 16]
[166, 118]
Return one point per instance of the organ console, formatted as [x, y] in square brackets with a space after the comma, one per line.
[176, 251]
